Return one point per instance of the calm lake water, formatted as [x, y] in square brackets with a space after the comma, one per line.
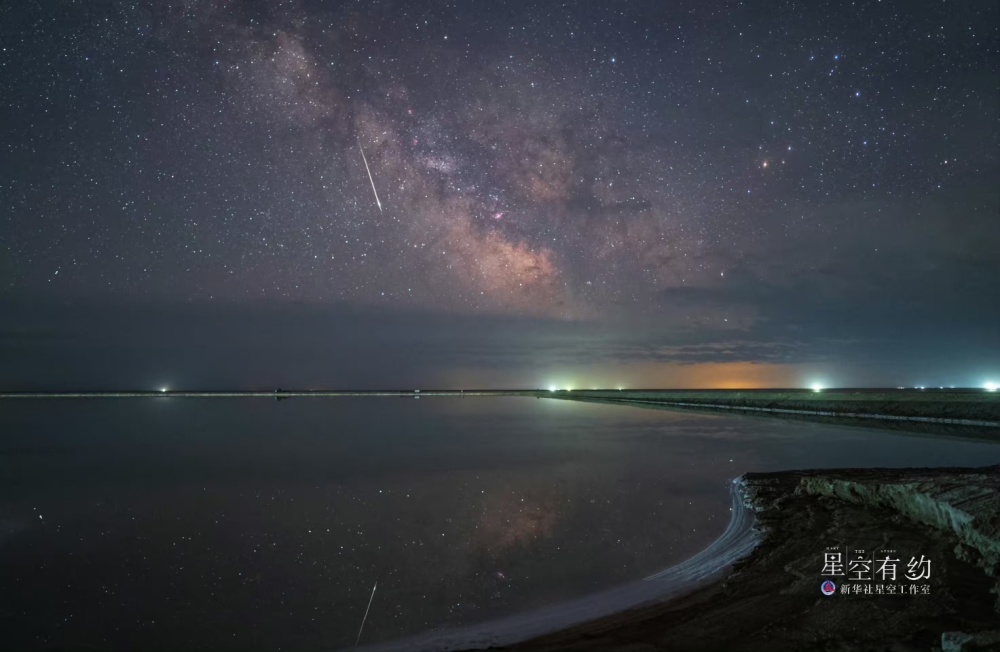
[248, 523]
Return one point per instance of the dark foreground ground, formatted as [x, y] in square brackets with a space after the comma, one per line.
[772, 600]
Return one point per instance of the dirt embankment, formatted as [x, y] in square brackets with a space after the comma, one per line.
[968, 407]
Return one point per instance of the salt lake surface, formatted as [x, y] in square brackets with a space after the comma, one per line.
[250, 524]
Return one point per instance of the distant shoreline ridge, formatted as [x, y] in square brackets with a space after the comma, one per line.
[967, 407]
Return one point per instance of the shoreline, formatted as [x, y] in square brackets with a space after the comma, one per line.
[707, 566]
[771, 600]
[762, 591]
[971, 409]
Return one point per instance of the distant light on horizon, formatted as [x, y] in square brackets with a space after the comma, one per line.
[552, 388]
[163, 389]
[817, 387]
[991, 386]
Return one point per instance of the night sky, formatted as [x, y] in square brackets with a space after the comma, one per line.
[592, 193]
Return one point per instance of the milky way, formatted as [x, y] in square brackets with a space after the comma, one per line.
[579, 161]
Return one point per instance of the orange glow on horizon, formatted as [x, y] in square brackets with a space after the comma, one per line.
[721, 375]
[646, 375]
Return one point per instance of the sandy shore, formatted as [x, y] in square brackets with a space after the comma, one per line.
[772, 598]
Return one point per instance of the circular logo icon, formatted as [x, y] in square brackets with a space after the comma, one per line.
[828, 588]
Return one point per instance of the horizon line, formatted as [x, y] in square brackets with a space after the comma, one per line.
[280, 392]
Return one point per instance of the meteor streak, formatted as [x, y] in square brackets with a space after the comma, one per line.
[369, 606]
[369, 175]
